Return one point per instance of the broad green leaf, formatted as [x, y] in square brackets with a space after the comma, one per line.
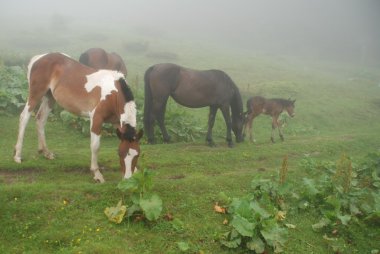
[311, 188]
[274, 235]
[344, 219]
[256, 244]
[128, 185]
[243, 226]
[231, 239]
[177, 224]
[257, 209]
[321, 224]
[183, 246]
[151, 206]
[116, 214]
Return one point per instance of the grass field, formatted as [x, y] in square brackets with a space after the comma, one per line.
[55, 207]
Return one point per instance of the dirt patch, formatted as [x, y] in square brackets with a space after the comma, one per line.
[176, 177]
[24, 175]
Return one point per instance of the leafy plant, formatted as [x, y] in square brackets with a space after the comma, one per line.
[142, 203]
[255, 219]
[13, 89]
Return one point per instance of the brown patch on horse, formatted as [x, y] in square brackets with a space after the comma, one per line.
[98, 58]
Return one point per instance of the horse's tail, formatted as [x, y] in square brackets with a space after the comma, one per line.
[148, 99]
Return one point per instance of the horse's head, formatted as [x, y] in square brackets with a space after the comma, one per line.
[237, 127]
[290, 108]
[129, 149]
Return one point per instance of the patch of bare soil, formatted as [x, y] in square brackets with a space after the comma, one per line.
[24, 175]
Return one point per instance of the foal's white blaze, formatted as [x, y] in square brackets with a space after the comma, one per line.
[128, 162]
[129, 115]
[104, 79]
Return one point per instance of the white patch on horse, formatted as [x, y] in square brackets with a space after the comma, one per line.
[104, 79]
[129, 115]
[31, 63]
[128, 162]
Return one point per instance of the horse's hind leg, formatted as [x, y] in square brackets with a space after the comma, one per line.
[211, 121]
[161, 122]
[41, 118]
[24, 119]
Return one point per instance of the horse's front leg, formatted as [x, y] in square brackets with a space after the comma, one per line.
[95, 144]
[227, 119]
[211, 121]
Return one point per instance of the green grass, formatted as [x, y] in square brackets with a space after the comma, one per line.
[55, 207]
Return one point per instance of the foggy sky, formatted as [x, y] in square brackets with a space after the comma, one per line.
[343, 29]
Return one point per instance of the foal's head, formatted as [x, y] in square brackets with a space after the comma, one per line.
[129, 149]
[289, 107]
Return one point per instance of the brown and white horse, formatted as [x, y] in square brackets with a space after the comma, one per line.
[98, 58]
[273, 107]
[103, 96]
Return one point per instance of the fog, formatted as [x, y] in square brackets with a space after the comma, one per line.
[336, 30]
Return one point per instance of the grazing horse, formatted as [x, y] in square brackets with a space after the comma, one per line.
[103, 96]
[273, 107]
[98, 58]
[193, 89]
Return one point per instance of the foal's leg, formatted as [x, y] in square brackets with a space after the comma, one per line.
[211, 121]
[96, 124]
[41, 118]
[280, 131]
[227, 119]
[274, 126]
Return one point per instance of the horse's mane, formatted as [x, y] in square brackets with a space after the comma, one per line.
[127, 92]
[236, 101]
[282, 101]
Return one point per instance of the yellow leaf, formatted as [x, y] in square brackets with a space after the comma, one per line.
[281, 215]
[219, 209]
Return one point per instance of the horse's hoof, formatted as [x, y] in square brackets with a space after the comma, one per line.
[47, 154]
[17, 159]
[211, 144]
[231, 145]
[98, 177]
[272, 139]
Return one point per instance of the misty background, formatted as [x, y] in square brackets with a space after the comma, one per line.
[329, 30]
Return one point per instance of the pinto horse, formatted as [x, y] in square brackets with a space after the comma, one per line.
[103, 96]
[98, 58]
[273, 107]
[193, 89]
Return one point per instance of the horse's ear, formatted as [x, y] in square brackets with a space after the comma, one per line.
[139, 134]
[294, 101]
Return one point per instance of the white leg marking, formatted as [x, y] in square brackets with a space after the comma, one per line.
[128, 163]
[42, 117]
[95, 143]
[24, 118]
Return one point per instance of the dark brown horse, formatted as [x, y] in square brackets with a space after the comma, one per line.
[273, 107]
[193, 89]
[98, 58]
[103, 96]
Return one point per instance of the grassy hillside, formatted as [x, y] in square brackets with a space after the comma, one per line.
[53, 206]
